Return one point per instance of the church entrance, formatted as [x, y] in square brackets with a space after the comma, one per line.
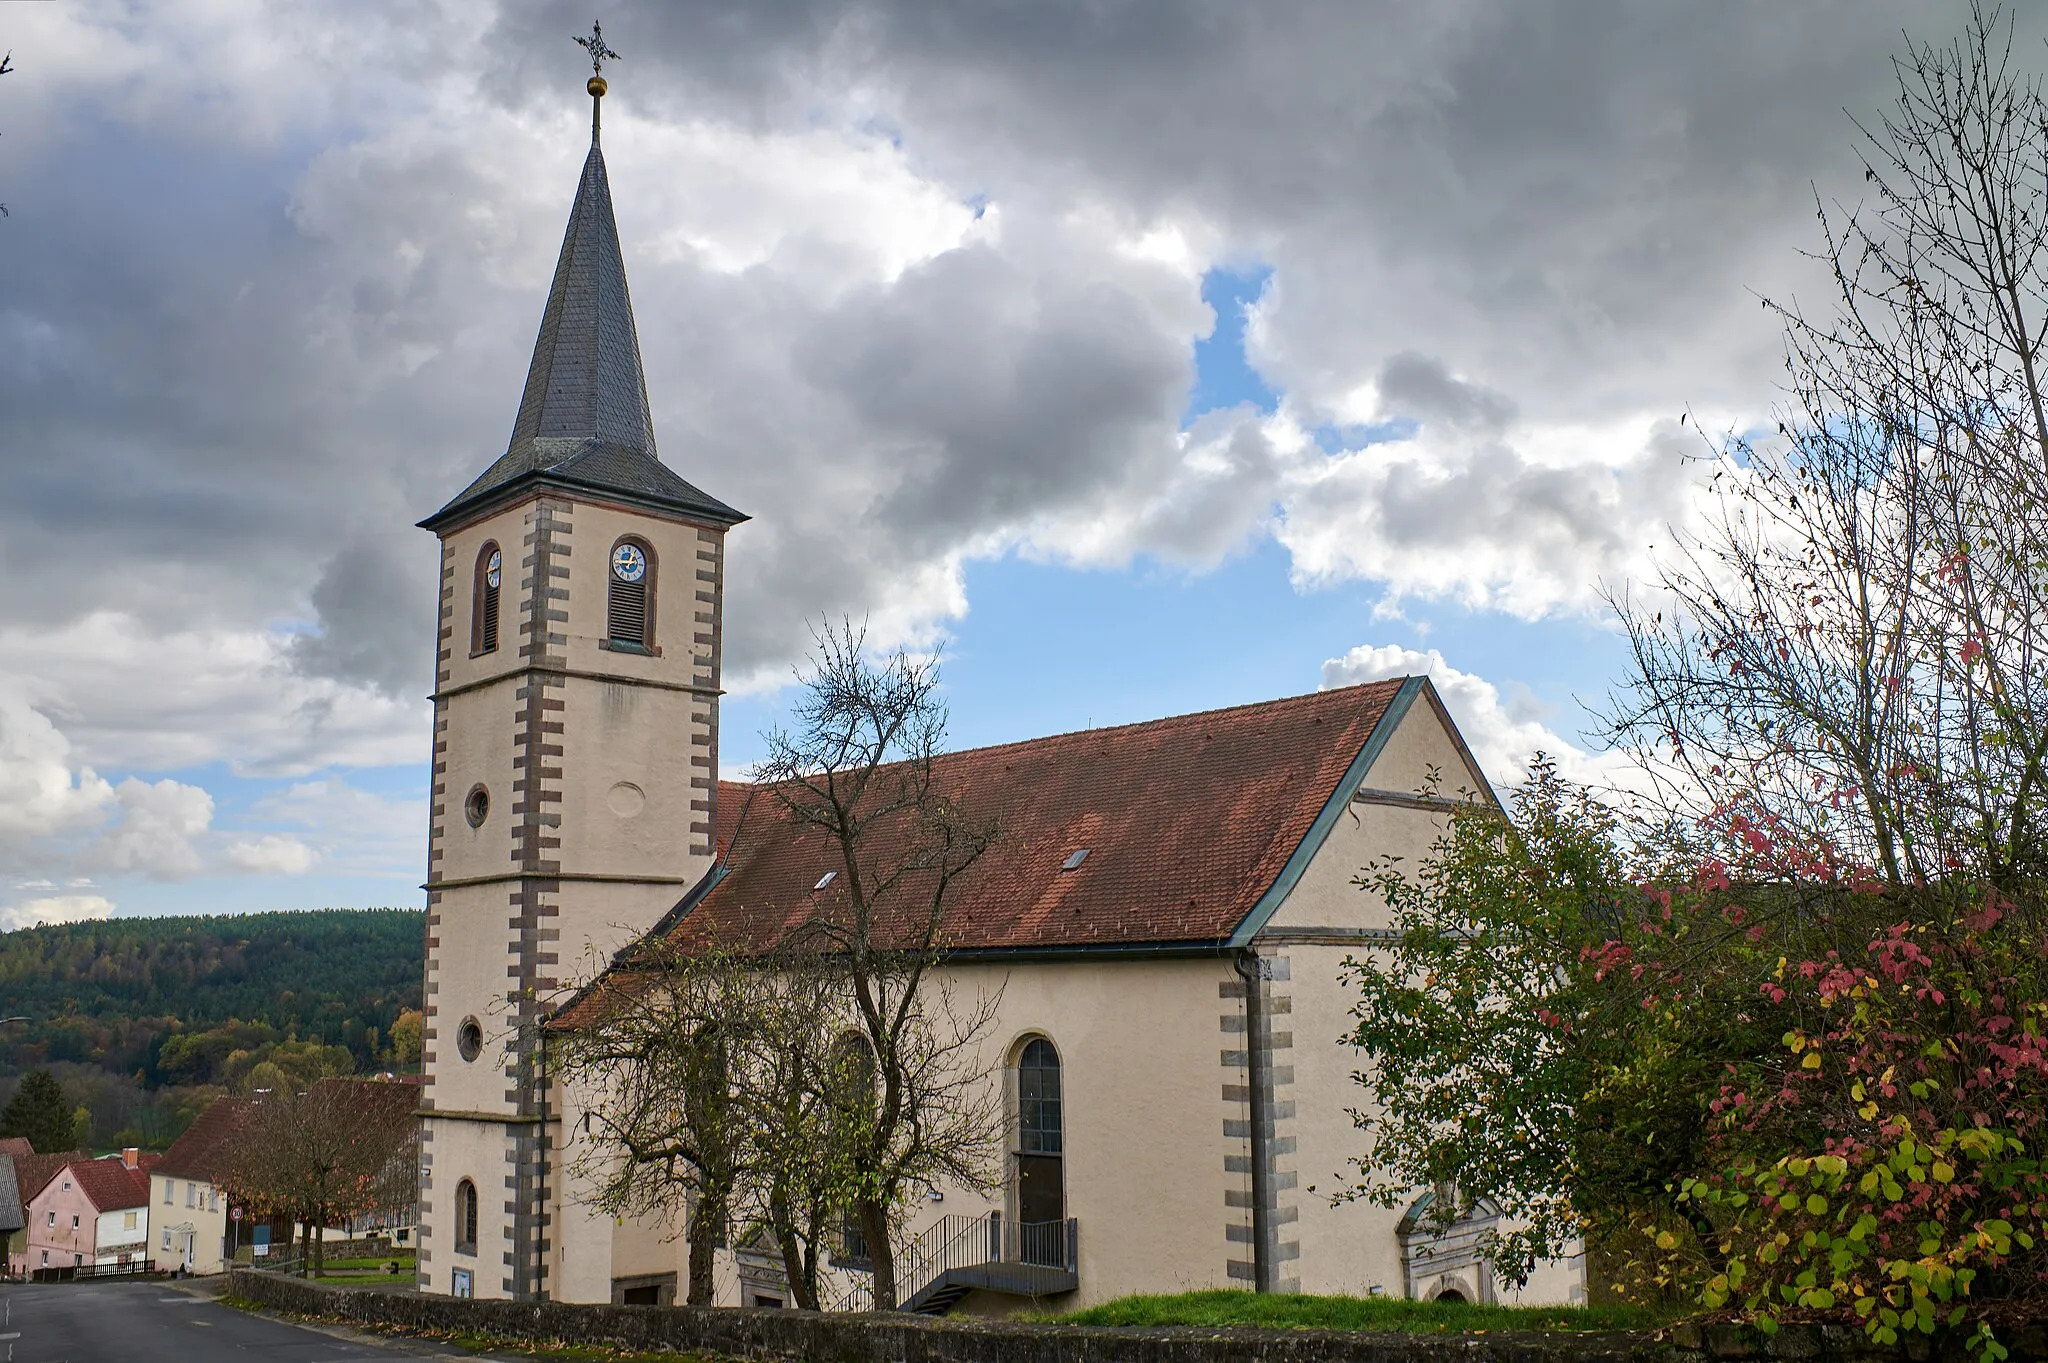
[1041, 1154]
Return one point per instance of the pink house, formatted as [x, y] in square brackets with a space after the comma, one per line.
[91, 1212]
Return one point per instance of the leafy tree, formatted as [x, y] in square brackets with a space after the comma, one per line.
[407, 1038]
[170, 999]
[40, 1113]
[1790, 1022]
[340, 1149]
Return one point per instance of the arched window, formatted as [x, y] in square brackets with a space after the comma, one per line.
[465, 1217]
[1040, 1154]
[629, 604]
[853, 1076]
[483, 614]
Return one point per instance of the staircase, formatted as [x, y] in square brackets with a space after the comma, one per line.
[962, 1254]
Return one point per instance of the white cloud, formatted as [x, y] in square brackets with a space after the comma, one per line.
[350, 830]
[276, 854]
[58, 819]
[1502, 734]
[70, 908]
[43, 790]
[158, 700]
[155, 830]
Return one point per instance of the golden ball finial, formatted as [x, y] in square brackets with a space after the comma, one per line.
[596, 87]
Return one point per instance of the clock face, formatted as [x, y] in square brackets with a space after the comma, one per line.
[494, 569]
[628, 563]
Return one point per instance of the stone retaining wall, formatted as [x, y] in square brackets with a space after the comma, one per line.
[795, 1335]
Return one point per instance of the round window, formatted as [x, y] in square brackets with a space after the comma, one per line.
[477, 807]
[469, 1039]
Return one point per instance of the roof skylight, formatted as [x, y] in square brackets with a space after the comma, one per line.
[823, 881]
[1074, 859]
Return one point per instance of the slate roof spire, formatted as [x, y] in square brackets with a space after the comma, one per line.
[584, 422]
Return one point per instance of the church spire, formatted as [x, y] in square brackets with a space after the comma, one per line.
[583, 419]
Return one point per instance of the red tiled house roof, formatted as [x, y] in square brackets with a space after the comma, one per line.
[32, 1173]
[202, 1151]
[112, 1186]
[384, 1105]
[16, 1146]
[1194, 825]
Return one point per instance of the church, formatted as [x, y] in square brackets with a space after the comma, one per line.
[1164, 921]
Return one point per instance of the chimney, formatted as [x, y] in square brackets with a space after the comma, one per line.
[131, 1156]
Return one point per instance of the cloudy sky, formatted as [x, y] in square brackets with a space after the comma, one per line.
[1151, 355]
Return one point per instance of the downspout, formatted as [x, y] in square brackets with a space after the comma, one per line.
[1257, 1065]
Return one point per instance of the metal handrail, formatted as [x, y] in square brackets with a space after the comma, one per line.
[1031, 1258]
[955, 1241]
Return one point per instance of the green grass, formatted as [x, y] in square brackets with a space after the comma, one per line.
[1289, 1312]
[407, 1263]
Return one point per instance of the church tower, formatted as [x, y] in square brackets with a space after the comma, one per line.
[575, 745]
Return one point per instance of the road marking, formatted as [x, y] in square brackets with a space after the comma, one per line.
[185, 1301]
[11, 1334]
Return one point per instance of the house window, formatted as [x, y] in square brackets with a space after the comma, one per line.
[213, 1199]
[459, 1283]
[74, 1220]
[629, 604]
[1040, 1154]
[483, 614]
[167, 1239]
[46, 1258]
[169, 1184]
[465, 1217]
[53, 1219]
[191, 1194]
[127, 1220]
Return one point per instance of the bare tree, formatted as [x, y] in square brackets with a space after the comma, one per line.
[795, 1085]
[338, 1150]
[668, 1044]
[861, 769]
[1869, 603]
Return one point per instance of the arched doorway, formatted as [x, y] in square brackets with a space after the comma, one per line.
[1040, 1155]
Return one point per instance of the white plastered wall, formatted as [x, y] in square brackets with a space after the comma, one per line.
[1353, 1248]
[634, 767]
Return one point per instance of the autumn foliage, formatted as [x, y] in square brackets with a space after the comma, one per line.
[1766, 1035]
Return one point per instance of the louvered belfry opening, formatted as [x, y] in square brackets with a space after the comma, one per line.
[627, 616]
[483, 635]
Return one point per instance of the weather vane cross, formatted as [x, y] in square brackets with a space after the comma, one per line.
[594, 45]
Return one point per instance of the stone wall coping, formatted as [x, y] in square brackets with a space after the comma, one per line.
[771, 1334]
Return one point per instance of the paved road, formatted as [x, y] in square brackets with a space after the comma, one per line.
[154, 1322]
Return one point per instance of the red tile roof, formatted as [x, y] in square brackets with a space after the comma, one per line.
[112, 1186]
[16, 1146]
[201, 1151]
[32, 1173]
[1187, 821]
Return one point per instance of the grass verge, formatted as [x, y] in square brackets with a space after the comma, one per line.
[1281, 1311]
[407, 1263]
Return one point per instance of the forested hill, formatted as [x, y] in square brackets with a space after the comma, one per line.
[109, 993]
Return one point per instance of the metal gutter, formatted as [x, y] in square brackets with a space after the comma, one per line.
[1258, 1080]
